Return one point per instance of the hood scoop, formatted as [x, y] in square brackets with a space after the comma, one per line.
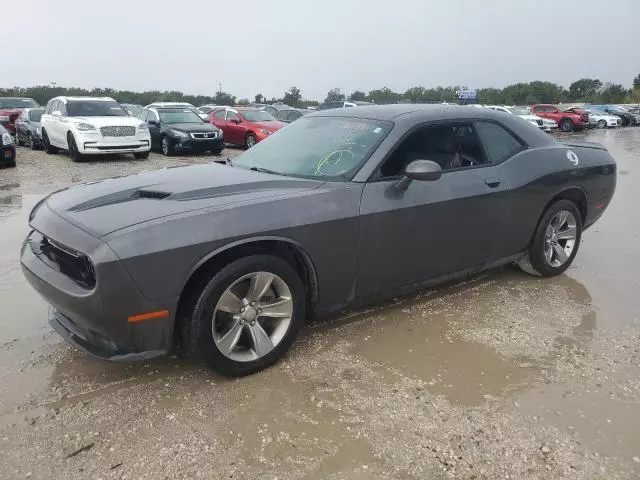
[120, 197]
[152, 194]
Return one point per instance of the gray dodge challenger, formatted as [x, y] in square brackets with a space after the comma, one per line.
[339, 209]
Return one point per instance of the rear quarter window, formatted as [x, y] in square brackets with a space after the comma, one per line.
[499, 144]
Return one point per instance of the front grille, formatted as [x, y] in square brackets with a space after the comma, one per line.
[539, 122]
[204, 135]
[118, 131]
[65, 260]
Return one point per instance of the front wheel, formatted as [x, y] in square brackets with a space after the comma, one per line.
[245, 316]
[566, 125]
[601, 124]
[555, 242]
[18, 141]
[74, 153]
[30, 142]
[48, 148]
[250, 141]
[167, 147]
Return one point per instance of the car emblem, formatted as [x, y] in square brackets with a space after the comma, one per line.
[572, 157]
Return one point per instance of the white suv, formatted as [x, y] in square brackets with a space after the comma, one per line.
[92, 126]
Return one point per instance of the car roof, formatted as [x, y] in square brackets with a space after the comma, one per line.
[392, 112]
[105, 99]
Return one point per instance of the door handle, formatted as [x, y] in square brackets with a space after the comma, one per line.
[493, 182]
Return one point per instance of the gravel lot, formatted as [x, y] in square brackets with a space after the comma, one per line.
[502, 376]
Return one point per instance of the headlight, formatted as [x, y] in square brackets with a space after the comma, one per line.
[266, 132]
[39, 131]
[85, 127]
[6, 139]
[4, 118]
[143, 127]
[178, 133]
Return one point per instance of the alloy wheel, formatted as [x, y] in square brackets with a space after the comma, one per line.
[251, 141]
[165, 146]
[560, 238]
[252, 316]
[601, 124]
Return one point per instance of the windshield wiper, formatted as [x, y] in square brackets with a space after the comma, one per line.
[264, 170]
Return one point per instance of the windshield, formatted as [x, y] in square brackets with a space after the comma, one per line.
[94, 108]
[206, 109]
[134, 110]
[36, 115]
[17, 103]
[317, 147]
[257, 116]
[519, 111]
[179, 116]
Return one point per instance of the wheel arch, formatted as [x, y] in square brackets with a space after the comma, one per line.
[282, 247]
[575, 194]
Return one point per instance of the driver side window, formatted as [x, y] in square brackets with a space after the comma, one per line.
[453, 147]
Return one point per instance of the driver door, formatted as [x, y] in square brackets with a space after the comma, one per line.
[433, 228]
[235, 128]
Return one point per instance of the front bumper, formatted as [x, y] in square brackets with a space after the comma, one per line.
[197, 145]
[95, 319]
[7, 155]
[93, 143]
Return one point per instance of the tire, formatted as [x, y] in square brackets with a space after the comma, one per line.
[535, 262]
[18, 141]
[601, 124]
[48, 148]
[250, 140]
[74, 154]
[204, 320]
[566, 125]
[141, 155]
[167, 147]
[30, 143]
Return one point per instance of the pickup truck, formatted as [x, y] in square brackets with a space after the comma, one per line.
[567, 121]
[10, 109]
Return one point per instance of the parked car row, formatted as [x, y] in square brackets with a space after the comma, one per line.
[542, 123]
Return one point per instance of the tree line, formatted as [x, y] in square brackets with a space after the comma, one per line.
[587, 90]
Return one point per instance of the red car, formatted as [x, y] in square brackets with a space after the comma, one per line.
[567, 121]
[10, 109]
[244, 125]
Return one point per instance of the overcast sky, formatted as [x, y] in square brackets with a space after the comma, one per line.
[269, 45]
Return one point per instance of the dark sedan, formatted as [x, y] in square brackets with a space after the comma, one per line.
[179, 129]
[288, 115]
[339, 209]
[7, 150]
[29, 128]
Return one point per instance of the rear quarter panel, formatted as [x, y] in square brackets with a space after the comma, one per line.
[537, 176]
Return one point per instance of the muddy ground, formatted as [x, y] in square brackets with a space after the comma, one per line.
[501, 376]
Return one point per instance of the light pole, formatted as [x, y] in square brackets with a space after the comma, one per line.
[219, 87]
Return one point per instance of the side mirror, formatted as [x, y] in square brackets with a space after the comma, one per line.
[153, 123]
[56, 113]
[420, 170]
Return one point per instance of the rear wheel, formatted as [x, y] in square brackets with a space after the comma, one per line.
[601, 124]
[245, 317]
[74, 153]
[50, 149]
[555, 242]
[566, 125]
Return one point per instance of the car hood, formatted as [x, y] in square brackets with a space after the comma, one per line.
[271, 125]
[193, 127]
[108, 121]
[106, 206]
[530, 117]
